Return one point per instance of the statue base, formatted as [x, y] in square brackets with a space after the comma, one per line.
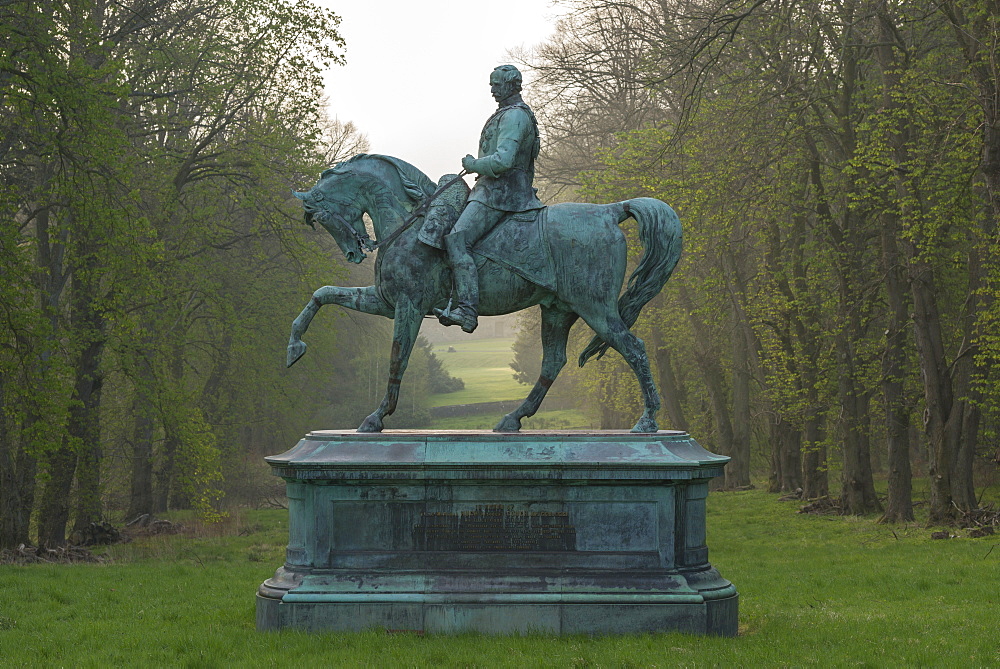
[558, 532]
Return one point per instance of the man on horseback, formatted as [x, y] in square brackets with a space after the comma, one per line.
[505, 167]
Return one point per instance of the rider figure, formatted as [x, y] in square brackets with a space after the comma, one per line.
[508, 147]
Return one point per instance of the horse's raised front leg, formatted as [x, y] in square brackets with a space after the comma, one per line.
[555, 332]
[406, 327]
[365, 300]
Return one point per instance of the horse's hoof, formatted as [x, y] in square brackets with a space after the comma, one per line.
[371, 424]
[508, 424]
[295, 351]
[646, 426]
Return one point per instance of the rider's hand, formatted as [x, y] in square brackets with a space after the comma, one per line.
[468, 162]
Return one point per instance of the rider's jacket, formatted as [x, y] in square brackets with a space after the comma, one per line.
[508, 147]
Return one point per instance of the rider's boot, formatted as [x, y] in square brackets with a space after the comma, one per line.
[463, 268]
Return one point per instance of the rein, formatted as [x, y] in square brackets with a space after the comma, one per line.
[366, 241]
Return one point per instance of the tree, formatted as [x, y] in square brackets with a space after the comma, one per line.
[817, 154]
[143, 137]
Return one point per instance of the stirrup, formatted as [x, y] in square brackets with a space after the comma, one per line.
[463, 316]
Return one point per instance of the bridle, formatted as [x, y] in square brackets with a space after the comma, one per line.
[363, 239]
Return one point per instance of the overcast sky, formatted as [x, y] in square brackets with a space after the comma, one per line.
[417, 74]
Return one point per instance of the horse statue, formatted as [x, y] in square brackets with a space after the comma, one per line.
[570, 260]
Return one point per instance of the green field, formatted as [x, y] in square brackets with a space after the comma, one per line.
[561, 419]
[484, 366]
[817, 591]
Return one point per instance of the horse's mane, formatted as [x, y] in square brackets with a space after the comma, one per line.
[415, 183]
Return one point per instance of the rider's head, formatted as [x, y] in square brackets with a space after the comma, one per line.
[505, 81]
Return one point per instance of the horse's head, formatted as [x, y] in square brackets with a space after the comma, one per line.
[340, 216]
[382, 186]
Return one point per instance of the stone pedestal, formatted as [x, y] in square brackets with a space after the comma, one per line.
[553, 532]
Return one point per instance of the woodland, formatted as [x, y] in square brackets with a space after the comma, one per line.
[834, 321]
[833, 326]
[150, 252]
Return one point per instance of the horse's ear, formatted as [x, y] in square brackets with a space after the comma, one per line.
[308, 216]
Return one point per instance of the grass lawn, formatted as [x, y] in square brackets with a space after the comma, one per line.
[561, 419]
[815, 591]
[484, 366]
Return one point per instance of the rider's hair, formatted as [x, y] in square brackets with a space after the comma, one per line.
[510, 75]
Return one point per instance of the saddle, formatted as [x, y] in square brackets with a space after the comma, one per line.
[517, 242]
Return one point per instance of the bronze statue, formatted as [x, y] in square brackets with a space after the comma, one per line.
[506, 252]
[508, 146]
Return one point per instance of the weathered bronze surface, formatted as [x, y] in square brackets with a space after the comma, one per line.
[555, 532]
[569, 258]
[508, 147]
[495, 527]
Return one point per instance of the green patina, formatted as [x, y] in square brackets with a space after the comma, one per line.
[502, 252]
[556, 532]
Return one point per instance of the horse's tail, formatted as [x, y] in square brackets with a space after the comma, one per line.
[660, 234]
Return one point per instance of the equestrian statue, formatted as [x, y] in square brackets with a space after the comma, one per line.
[447, 252]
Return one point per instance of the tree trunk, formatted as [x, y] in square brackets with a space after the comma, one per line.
[815, 481]
[611, 417]
[963, 491]
[857, 485]
[774, 479]
[791, 454]
[967, 393]
[708, 363]
[164, 477]
[738, 469]
[899, 505]
[88, 486]
[81, 447]
[793, 465]
[786, 444]
[966, 425]
[715, 382]
[60, 462]
[850, 238]
[17, 495]
[941, 425]
[976, 32]
[54, 512]
[141, 488]
[143, 430]
[17, 485]
[85, 413]
[669, 388]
